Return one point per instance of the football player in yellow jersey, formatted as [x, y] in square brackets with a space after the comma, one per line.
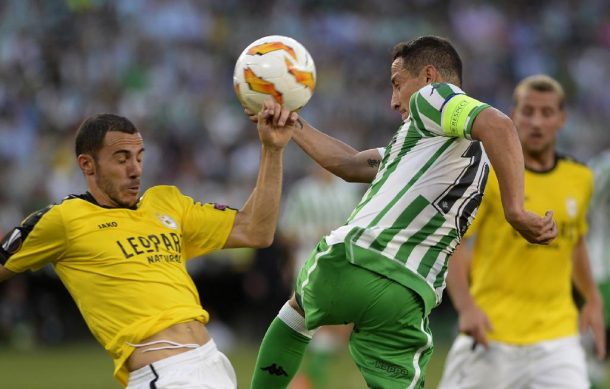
[518, 321]
[122, 257]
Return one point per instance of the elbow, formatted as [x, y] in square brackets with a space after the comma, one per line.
[344, 171]
[262, 242]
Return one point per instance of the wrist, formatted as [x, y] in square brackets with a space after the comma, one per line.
[466, 306]
[272, 149]
[513, 213]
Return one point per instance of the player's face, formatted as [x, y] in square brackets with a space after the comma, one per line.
[538, 117]
[118, 168]
[404, 85]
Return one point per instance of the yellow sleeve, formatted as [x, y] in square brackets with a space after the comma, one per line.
[206, 227]
[40, 239]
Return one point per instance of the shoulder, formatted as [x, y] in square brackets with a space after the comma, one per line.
[436, 94]
[161, 193]
[569, 162]
[161, 190]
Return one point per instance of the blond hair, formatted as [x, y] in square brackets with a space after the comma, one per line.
[539, 83]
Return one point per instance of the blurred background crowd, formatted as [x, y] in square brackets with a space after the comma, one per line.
[167, 65]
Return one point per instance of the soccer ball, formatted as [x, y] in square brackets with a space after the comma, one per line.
[276, 66]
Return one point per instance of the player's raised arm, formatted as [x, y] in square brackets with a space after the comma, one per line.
[337, 157]
[255, 223]
[334, 155]
[498, 134]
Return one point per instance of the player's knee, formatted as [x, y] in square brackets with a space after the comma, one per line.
[294, 304]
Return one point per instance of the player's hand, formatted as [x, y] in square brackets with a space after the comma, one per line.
[252, 116]
[275, 124]
[592, 316]
[535, 229]
[475, 323]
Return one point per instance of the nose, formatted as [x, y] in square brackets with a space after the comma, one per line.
[536, 120]
[135, 168]
[394, 101]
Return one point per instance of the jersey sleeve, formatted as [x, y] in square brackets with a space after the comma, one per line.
[39, 239]
[444, 109]
[491, 197]
[206, 226]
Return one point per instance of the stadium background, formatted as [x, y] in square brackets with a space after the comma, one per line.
[167, 65]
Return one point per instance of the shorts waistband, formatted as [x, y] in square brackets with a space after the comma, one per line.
[199, 354]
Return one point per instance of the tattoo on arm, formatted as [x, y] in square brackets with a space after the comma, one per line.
[374, 163]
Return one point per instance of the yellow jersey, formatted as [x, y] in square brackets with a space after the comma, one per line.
[526, 289]
[125, 268]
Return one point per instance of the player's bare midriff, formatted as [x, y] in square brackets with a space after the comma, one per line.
[184, 333]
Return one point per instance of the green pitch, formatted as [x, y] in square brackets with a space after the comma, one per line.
[87, 365]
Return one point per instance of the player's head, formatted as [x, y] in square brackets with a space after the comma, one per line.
[419, 62]
[109, 150]
[538, 113]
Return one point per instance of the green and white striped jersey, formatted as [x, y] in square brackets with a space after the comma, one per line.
[425, 195]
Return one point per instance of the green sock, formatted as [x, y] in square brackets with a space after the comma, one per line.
[318, 367]
[279, 357]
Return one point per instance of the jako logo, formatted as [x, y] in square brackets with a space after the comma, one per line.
[107, 225]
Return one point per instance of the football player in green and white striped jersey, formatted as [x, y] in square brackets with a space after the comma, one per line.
[385, 269]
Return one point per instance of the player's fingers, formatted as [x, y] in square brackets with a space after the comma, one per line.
[284, 115]
[251, 115]
[599, 336]
[293, 118]
[277, 112]
[481, 338]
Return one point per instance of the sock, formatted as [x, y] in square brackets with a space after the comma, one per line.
[318, 367]
[323, 349]
[281, 351]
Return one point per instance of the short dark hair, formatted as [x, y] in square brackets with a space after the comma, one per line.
[91, 133]
[430, 50]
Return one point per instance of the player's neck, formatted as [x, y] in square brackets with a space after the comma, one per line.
[541, 162]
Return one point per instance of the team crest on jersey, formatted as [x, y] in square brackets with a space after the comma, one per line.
[571, 207]
[168, 221]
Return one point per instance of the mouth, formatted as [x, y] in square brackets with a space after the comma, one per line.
[133, 189]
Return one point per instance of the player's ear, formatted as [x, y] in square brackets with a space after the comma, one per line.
[86, 164]
[431, 74]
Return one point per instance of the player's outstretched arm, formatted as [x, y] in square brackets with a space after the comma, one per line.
[334, 155]
[498, 134]
[592, 312]
[472, 320]
[5, 274]
[256, 222]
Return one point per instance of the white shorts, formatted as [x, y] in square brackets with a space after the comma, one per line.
[557, 364]
[203, 367]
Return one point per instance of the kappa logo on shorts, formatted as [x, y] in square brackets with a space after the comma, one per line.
[168, 221]
[393, 370]
[274, 369]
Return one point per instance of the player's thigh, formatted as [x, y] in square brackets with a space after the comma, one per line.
[325, 287]
[391, 342]
[560, 364]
